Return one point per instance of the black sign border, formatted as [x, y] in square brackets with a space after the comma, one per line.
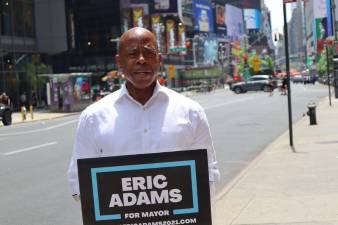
[190, 163]
[198, 156]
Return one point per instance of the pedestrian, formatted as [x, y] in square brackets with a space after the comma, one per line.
[4, 99]
[143, 116]
[23, 100]
[271, 85]
[284, 85]
[33, 100]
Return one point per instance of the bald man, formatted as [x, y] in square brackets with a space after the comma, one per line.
[143, 116]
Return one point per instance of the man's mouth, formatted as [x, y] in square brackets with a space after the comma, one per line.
[142, 72]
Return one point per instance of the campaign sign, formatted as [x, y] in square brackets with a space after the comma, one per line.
[148, 189]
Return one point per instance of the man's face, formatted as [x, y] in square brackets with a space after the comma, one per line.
[139, 58]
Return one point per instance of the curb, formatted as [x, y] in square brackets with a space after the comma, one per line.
[43, 119]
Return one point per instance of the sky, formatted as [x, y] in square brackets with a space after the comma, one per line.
[276, 9]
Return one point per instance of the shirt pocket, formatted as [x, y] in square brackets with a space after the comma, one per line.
[177, 137]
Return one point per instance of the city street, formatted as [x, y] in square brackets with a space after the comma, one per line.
[34, 156]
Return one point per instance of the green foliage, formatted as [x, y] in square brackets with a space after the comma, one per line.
[33, 70]
[322, 63]
[268, 62]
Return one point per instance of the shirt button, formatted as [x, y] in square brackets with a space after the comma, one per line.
[145, 130]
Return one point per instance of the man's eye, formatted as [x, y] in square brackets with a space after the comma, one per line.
[133, 54]
[150, 54]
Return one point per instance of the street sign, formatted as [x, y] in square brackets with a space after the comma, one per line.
[146, 189]
[182, 50]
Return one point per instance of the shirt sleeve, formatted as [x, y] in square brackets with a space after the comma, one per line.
[202, 140]
[84, 147]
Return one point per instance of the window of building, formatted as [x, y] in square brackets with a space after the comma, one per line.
[5, 17]
[19, 28]
[28, 18]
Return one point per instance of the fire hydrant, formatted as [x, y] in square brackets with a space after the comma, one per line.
[312, 113]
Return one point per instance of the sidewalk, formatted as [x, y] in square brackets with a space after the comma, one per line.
[37, 116]
[285, 187]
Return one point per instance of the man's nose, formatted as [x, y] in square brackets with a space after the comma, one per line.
[141, 59]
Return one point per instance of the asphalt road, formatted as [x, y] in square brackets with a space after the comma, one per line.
[34, 156]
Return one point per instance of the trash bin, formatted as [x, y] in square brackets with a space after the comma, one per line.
[312, 113]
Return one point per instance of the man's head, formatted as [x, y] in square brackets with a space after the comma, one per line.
[138, 57]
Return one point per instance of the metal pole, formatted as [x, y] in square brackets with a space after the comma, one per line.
[305, 35]
[286, 45]
[334, 23]
[3, 74]
[328, 72]
[37, 94]
[194, 51]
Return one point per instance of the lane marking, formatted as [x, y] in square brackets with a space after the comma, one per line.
[228, 103]
[39, 130]
[29, 148]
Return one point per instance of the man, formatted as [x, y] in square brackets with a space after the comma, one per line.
[143, 116]
[4, 98]
[284, 84]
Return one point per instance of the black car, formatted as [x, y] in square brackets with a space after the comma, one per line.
[5, 114]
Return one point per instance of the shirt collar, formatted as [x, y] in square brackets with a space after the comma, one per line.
[157, 90]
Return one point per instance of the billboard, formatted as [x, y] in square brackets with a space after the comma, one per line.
[185, 13]
[234, 22]
[246, 4]
[163, 6]
[220, 19]
[210, 51]
[252, 18]
[329, 18]
[319, 8]
[204, 20]
[220, 14]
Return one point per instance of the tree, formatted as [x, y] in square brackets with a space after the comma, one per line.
[322, 63]
[32, 71]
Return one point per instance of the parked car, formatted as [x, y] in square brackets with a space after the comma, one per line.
[310, 80]
[5, 114]
[254, 83]
[298, 79]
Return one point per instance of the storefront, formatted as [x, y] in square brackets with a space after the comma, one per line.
[68, 92]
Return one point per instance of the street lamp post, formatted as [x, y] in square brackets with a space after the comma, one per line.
[328, 72]
[334, 24]
[194, 44]
[287, 64]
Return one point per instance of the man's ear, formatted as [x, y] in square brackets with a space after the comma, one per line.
[160, 58]
[117, 60]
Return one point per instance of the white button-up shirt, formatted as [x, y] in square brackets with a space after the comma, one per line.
[119, 125]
